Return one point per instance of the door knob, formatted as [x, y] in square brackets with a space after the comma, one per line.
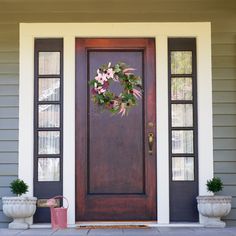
[150, 142]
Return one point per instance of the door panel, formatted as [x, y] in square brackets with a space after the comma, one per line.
[123, 172]
[115, 174]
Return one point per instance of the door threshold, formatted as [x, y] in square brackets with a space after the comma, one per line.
[109, 223]
[136, 223]
[117, 223]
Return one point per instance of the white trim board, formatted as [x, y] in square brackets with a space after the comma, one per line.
[159, 31]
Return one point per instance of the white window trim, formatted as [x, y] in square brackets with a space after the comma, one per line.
[159, 31]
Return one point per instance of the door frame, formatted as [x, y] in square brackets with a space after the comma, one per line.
[159, 31]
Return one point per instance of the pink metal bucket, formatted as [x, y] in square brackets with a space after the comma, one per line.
[58, 214]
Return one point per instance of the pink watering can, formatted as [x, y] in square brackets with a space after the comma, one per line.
[58, 214]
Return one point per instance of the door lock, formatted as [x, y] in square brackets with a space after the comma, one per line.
[150, 143]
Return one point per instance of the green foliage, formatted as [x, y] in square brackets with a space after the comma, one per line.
[214, 185]
[19, 187]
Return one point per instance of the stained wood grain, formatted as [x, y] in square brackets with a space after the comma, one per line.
[115, 175]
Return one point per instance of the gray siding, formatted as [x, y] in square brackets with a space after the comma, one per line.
[222, 14]
[9, 86]
[224, 112]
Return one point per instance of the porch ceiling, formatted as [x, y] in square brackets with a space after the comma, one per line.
[12, 11]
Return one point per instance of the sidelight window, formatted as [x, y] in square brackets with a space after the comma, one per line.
[48, 113]
[48, 117]
[182, 100]
[183, 158]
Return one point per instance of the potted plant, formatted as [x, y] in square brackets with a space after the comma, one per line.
[212, 208]
[19, 208]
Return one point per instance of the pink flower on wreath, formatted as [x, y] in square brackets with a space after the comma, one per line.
[101, 77]
[110, 73]
[101, 90]
[98, 89]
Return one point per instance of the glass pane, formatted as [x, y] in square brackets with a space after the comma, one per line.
[182, 115]
[49, 89]
[49, 115]
[181, 62]
[49, 63]
[182, 141]
[182, 168]
[48, 142]
[48, 169]
[181, 89]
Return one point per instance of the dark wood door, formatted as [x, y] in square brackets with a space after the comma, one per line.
[115, 173]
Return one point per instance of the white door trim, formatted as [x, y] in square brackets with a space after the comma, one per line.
[159, 31]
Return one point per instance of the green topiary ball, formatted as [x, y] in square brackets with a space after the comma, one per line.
[214, 185]
[18, 187]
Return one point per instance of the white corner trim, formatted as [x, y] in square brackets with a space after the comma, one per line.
[69, 125]
[162, 134]
[26, 108]
[159, 31]
[205, 124]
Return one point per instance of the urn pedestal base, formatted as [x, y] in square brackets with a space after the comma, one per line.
[213, 222]
[18, 224]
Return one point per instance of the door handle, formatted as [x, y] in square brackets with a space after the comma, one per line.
[150, 142]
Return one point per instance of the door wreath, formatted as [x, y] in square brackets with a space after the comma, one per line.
[105, 98]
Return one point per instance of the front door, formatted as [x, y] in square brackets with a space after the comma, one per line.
[115, 159]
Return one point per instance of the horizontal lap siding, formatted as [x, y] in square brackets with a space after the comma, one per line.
[9, 109]
[224, 108]
[222, 14]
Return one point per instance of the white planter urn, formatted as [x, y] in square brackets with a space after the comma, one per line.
[19, 208]
[213, 208]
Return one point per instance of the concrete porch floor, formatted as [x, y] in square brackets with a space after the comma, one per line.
[158, 231]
